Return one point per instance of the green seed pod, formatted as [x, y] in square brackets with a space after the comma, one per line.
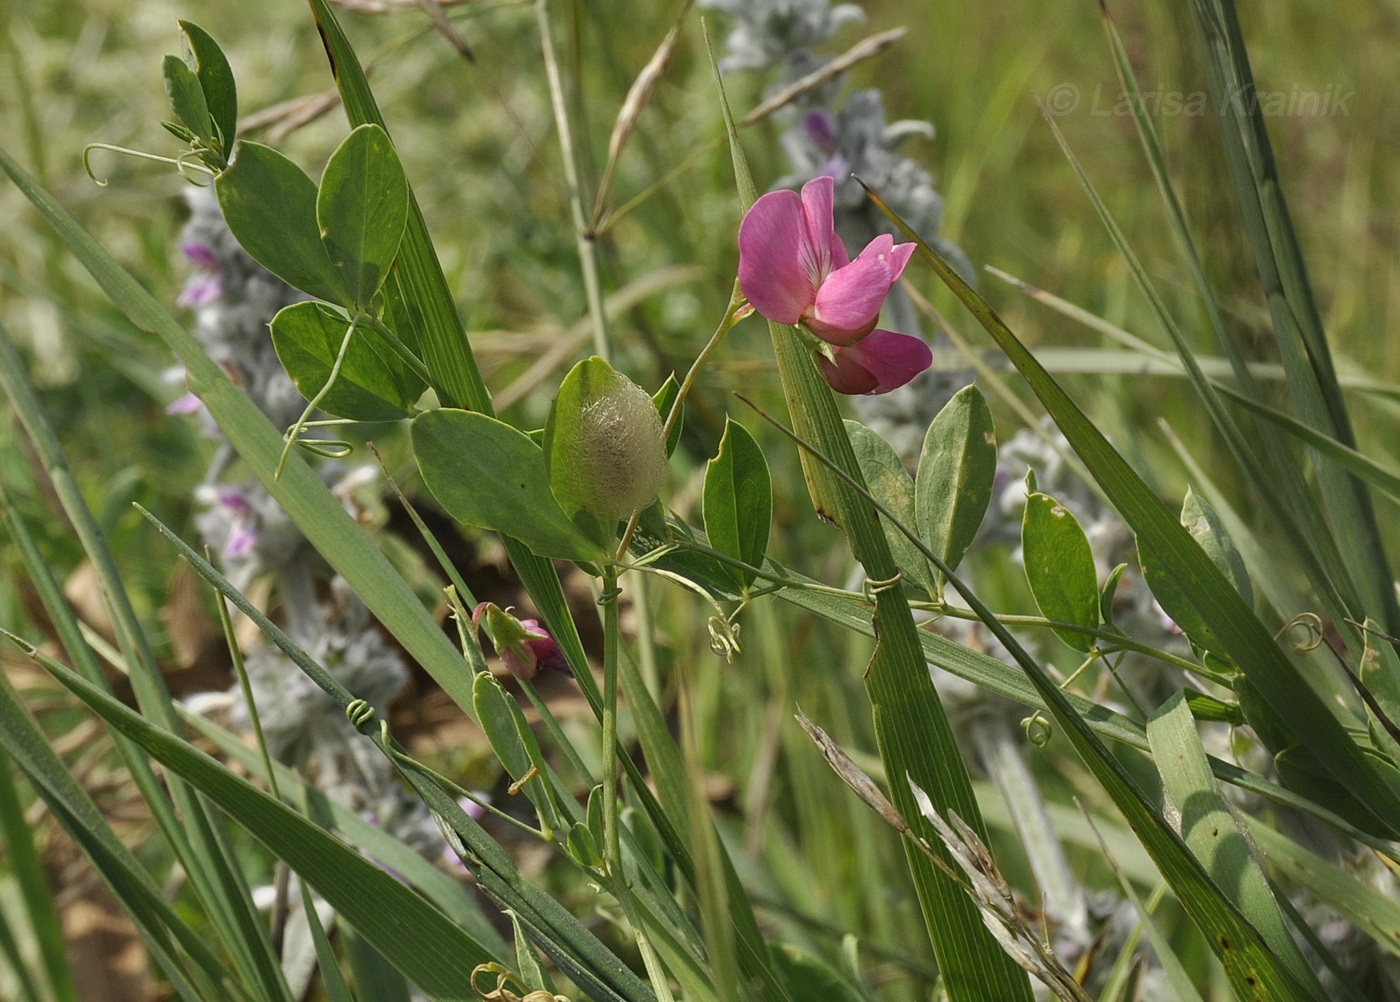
[603, 445]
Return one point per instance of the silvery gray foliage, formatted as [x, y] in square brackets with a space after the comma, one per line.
[234, 298]
[766, 33]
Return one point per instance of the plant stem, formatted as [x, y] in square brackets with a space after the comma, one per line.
[612, 845]
[587, 254]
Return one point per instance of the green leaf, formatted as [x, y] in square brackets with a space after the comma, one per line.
[957, 467]
[1060, 568]
[362, 208]
[890, 484]
[1203, 523]
[738, 501]
[664, 399]
[270, 205]
[498, 719]
[187, 98]
[603, 448]
[486, 473]
[215, 80]
[372, 385]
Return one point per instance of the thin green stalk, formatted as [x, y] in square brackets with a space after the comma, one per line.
[400, 349]
[294, 432]
[587, 250]
[612, 846]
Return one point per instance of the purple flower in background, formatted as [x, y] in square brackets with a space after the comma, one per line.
[204, 285]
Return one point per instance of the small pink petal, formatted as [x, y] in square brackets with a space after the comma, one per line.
[878, 363]
[848, 302]
[203, 290]
[201, 254]
[895, 255]
[188, 404]
[827, 251]
[240, 542]
[772, 274]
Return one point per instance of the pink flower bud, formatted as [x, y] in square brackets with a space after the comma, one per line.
[523, 644]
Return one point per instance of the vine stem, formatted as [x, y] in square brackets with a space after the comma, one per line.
[612, 843]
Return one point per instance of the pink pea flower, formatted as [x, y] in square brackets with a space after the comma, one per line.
[794, 268]
[877, 363]
[523, 644]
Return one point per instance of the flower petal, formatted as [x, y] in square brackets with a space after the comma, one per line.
[881, 362]
[849, 301]
[895, 255]
[772, 246]
[829, 253]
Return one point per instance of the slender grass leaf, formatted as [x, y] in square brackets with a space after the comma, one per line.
[372, 385]
[1254, 972]
[420, 941]
[215, 80]
[192, 831]
[1060, 568]
[25, 866]
[807, 977]
[332, 978]
[269, 204]
[362, 208]
[738, 503]
[1243, 637]
[957, 467]
[1210, 829]
[485, 473]
[154, 918]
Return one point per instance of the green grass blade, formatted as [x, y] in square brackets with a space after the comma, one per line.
[1210, 829]
[415, 936]
[154, 918]
[1246, 640]
[24, 865]
[195, 836]
[1302, 344]
[332, 978]
[1301, 520]
[1364, 906]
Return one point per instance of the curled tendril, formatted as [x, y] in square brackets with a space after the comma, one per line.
[179, 163]
[1038, 729]
[1310, 623]
[724, 636]
[872, 588]
[358, 712]
[331, 448]
[505, 979]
